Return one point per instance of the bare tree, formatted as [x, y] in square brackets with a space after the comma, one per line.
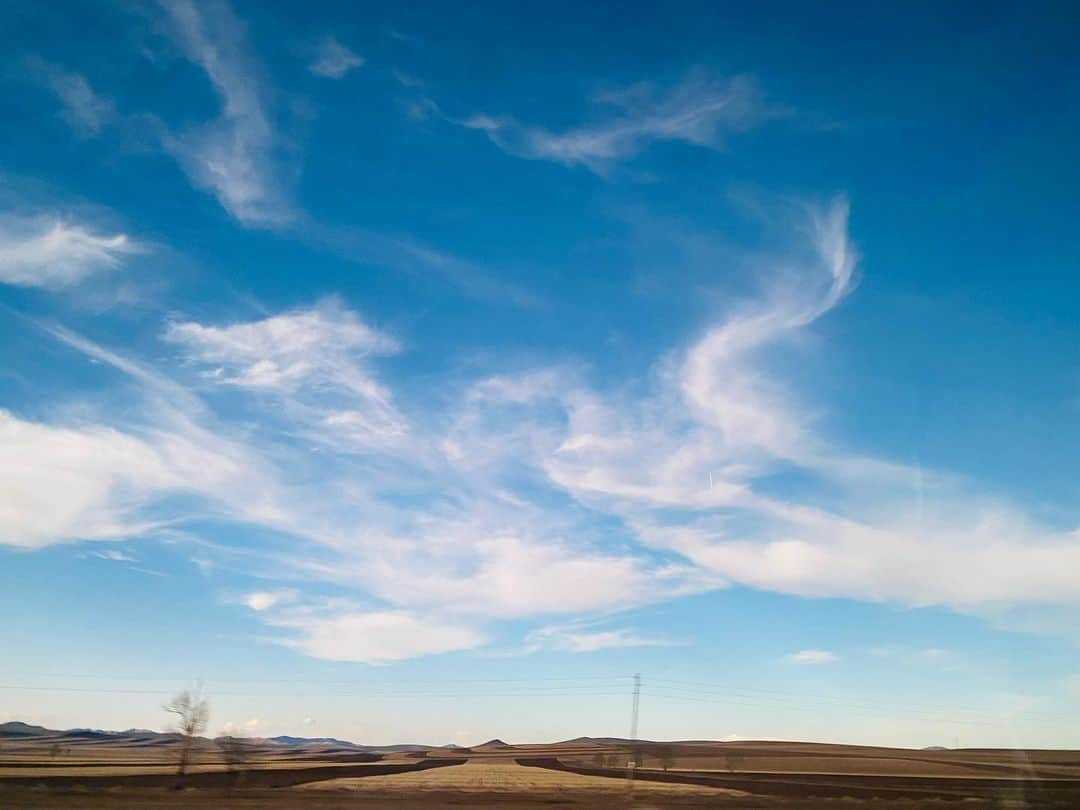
[235, 751]
[666, 756]
[192, 712]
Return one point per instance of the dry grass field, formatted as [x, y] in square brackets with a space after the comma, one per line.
[499, 775]
[133, 773]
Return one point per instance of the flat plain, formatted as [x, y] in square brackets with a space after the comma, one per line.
[136, 770]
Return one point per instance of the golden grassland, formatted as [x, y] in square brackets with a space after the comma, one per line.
[132, 775]
[503, 775]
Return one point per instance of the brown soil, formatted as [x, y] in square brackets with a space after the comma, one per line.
[798, 776]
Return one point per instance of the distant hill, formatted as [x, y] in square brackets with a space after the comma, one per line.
[18, 729]
[145, 737]
[285, 739]
[401, 748]
[90, 734]
[495, 743]
[602, 741]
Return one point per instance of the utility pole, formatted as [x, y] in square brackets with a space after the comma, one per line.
[632, 761]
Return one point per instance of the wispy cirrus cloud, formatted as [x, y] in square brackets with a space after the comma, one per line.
[333, 60]
[364, 246]
[700, 110]
[319, 345]
[239, 156]
[87, 479]
[690, 464]
[528, 496]
[82, 108]
[55, 252]
[242, 159]
[583, 639]
[426, 546]
[236, 156]
[317, 359]
[115, 556]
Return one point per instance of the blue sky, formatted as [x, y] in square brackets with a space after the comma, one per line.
[420, 375]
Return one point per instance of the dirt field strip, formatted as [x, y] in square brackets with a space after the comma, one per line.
[205, 777]
[491, 775]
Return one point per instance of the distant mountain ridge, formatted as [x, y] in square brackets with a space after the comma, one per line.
[16, 729]
[285, 739]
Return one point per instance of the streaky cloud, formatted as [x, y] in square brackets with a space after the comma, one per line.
[84, 110]
[700, 110]
[688, 465]
[54, 252]
[317, 359]
[406, 255]
[334, 60]
[234, 157]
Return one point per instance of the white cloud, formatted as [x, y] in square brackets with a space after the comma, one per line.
[234, 156]
[92, 482]
[114, 556]
[334, 60]
[700, 110]
[521, 495]
[378, 637]
[249, 726]
[687, 460]
[319, 358]
[264, 600]
[719, 377]
[83, 109]
[812, 657]
[487, 574]
[582, 640]
[53, 253]
[714, 420]
[242, 160]
[61, 483]
[322, 345]
[976, 565]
